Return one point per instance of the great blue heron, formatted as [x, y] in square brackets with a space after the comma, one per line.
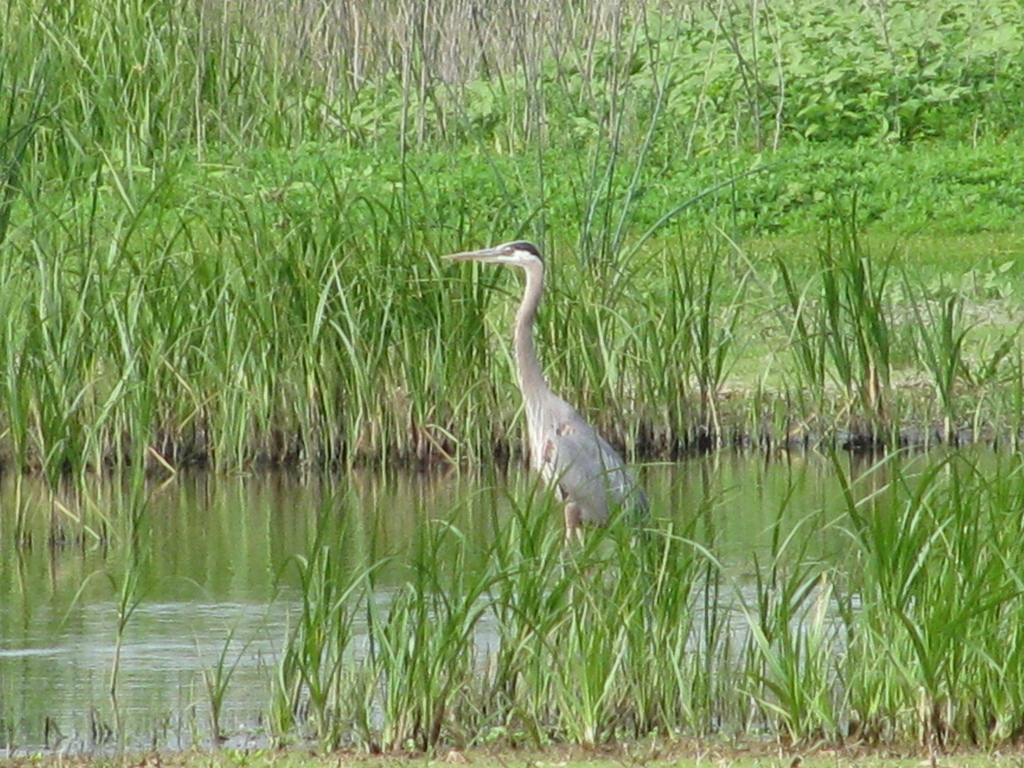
[587, 473]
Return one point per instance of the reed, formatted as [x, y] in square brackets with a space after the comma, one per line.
[938, 587]
[337, 353]
[943, 334]
[907, 632]
[217, 229]
[318, 685]
[216, 682]
[843, 333]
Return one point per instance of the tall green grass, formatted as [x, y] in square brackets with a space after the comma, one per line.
[218, 231]
[140, 79]
[842, 331]
[908, 633]
[247, 343]
[891, 615]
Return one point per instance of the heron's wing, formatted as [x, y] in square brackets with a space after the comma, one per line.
[585, 468]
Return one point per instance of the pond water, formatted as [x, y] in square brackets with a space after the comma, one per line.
[208, 574]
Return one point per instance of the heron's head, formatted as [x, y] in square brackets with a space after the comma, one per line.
[517, 254]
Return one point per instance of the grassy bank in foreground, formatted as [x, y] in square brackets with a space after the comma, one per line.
[668, 755]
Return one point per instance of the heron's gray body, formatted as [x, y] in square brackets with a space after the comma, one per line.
[572, 457]
[585, 471]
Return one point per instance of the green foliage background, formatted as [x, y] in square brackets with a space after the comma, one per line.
[218, 224]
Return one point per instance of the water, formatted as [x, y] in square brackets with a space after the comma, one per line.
[214, 584]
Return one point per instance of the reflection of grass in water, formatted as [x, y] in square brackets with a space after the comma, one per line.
[913, 634]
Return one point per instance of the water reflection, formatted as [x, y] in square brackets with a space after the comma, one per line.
[207, 568]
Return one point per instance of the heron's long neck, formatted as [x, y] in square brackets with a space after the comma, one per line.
[531, 377]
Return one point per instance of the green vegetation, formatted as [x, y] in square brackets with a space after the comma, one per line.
[909, 633]
[690, 755]
[887, 612]
[218, 231]
[881, 609]
[775, 223]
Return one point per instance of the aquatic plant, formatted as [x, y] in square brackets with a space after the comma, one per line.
[907, 633]
[843, 333]
[216, 251]
[217, 680]
[885, 611]
[317, 682]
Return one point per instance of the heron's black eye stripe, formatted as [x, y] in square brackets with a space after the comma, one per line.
[523, 245]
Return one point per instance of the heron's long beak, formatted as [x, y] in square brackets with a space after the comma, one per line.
[487, 254]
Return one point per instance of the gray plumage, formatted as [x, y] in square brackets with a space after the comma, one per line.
[586, 472]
